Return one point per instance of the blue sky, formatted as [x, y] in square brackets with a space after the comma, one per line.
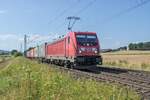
[36, 19]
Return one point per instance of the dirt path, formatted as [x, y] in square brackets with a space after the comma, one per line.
[4, 63]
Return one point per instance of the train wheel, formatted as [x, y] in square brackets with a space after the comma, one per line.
[71, 66]
[74, 65]
[51, 62]
[66, 64]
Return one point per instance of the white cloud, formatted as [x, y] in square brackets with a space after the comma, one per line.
[42, 37]
[38, 39]
[108, 38]
[7, 36]
[10, 41]
[2, 11]
[117, 44]
[13, 41]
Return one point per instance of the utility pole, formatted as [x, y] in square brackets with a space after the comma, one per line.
[74, 19]
[21, 47]
[25, 44]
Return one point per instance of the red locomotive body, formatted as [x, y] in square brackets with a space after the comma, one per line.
[76, 48]
[56, 49]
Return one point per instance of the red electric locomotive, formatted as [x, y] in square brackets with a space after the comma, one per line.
[76, 49]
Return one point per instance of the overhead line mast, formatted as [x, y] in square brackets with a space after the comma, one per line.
[77, 13]
[25, 44]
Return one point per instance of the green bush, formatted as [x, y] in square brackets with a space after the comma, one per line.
[17, 54]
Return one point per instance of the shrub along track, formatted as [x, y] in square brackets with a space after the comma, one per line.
[136, 80]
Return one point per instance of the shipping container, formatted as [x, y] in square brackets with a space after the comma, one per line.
[35, 52]
[28, 53]
[42, 51]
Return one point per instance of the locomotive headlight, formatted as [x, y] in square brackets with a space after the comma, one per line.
[82, 49]
[95, 50]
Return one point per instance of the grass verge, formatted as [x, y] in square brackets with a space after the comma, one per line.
[27, 80]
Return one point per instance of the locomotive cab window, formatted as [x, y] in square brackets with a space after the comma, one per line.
[86, 40]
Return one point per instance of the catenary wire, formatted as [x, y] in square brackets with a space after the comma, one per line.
[109, 19]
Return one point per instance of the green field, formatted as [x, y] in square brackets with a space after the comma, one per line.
[1, 59]
[23, 79]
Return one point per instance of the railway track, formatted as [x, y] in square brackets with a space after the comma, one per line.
[136, 80]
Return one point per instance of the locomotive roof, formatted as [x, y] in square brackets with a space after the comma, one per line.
[59, 39]
[84, 32]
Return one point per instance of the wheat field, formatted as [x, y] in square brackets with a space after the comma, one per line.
[138, 60]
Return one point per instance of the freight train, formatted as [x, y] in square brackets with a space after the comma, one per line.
[75, 50]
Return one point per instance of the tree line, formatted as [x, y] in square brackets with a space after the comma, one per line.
[139, 46]
[16, 53]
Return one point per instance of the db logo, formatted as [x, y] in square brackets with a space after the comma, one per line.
[88, 49]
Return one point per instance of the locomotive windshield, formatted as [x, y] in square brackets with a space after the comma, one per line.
[86, 40]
